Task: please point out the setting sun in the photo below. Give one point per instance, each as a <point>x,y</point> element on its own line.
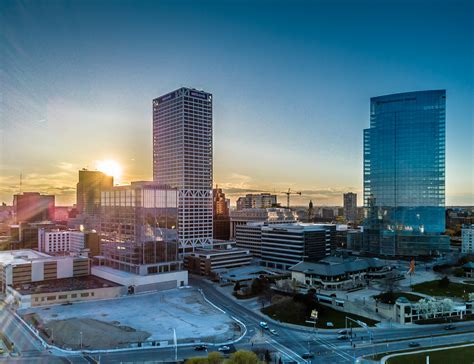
<point>111,168</point>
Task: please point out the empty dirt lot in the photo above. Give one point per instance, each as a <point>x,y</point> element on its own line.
<point>148,317</point>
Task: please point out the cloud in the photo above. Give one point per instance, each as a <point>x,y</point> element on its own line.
<point>61,184</point>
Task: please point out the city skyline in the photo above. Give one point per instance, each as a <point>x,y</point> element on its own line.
<point>65,109</point>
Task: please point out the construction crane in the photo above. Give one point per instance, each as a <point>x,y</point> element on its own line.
<point>288,193</point>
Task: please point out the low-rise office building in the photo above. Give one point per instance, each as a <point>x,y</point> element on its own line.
<point>56,241</point>
<point>338,272</point>
<point>285,245</point>
<point>63,291</point>
<point>249,236</point>
<point>206,261</point>
<point>409,312</point>
<point>467,233</point>
<point>22,267</point>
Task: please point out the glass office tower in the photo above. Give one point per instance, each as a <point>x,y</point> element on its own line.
<point>139,228</point>
<point>404,172</point>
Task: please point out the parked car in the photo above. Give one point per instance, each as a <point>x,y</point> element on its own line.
<point>273,331</point>
<point>342,337</point>
<point>200,347</point>
<point>224,348</point>
<point>449,327</point>
<point>307,355</point>
<point>264,325</point>
<point>413,344</point>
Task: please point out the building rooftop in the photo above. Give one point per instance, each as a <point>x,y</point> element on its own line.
<point>21,256</point>
<point>64,284</point>
<point>24,256</point>
<point>335,266</point>
<point>297,226</point>
<point>205,251</point>
<point>246,273</point>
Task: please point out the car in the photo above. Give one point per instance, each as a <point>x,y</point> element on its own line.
<point>223,348</point>
<point>273,331</point>
<point>413,344</point>
<point>342,337</point>
<point>449,327</point>
<point>342,332</point>
<point>264,325</point>
<point>1,351</point>
<point>200,347</point>
<point>307,355</point>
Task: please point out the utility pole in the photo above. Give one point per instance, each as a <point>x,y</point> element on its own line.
<point>175,345</point>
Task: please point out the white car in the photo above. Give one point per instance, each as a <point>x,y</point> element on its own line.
<point>264,325</point>
<point>223,348</point>
<point>273,331</point>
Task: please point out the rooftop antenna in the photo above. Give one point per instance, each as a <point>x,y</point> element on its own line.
<point>21,180</point>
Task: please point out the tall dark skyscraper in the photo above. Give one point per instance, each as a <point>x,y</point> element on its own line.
<point>350,206</point>
<point>221,218</point>
<point>90,184</point>
<point>404,172</point>
<point>182,158</point>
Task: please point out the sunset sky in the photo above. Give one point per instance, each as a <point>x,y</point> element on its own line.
<point>291,83</point>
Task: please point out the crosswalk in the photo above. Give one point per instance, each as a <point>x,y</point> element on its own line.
<point>335,349</point>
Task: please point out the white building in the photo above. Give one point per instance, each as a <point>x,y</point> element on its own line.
<point>269,216</point>
<point>430,308</point>
<point>207,261</point>
<point>21,267</point>
<point>182,158</point>
<point>60,241</point>
<point>256,201</point>
<point>468,239</point>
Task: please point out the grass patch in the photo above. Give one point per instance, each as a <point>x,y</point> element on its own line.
<point>379,356</point>
<point>6,341</point>
<point>293,312</point>
<point>456,355</point>
<point>391,297</point>
<point>433,288</point>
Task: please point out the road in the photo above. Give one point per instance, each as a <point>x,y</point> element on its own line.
<point>290,342</point>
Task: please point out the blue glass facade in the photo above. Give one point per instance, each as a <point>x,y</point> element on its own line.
<point>404,162</point>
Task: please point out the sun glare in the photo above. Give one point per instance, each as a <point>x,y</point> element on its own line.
<point>111,168</point>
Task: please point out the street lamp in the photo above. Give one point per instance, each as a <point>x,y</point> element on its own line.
<point>175,344</point>
<point>81,339</point>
